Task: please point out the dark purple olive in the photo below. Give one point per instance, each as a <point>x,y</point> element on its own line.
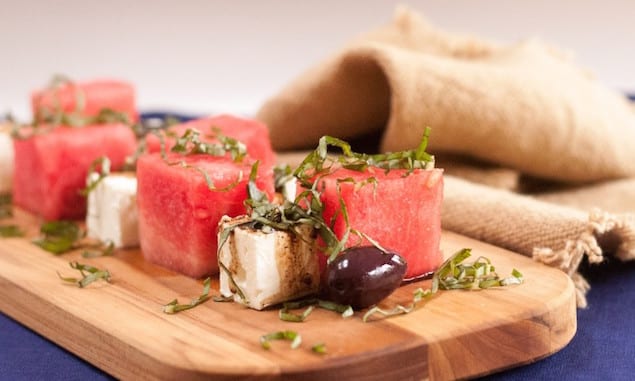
<point>363,276</point>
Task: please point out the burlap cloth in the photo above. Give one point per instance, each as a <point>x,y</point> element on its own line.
<point>538,154</point>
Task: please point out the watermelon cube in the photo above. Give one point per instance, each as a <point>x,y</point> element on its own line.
<point>95,95</point>
<point>51,166</point>
<point>252,133</point>
<point>401,212</point>
<point>179,214</point>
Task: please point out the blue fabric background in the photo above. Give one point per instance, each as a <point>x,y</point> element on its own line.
<point>602,349</point>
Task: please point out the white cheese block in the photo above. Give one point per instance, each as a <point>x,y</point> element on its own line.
<point>6,161</point>
<point>267,268</point>
<point>112,210</point>
<point>290,189</point>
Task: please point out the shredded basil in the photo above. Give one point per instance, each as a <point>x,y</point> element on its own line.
<point>174,306</point>
<point>293,336</point>
<point>53,115</point>
<point>10,231</point>
<point>6,205</point>
<point>344,309</point>
<point>57,116</point>
<point>311,303</point>
<point>77,119</point>
<point>208,180</point>
<point>281,174</point>
<point>233,284</point>
<point>286,315</point>
<point>130,163</point>
<point>223,299</point>
<point>190,143</point>
<point>58,237</point>
<point>319,161</point>
<point>89,274</point>
<point>418,295</point>
<point>319,348</point>
<point>99,250</point>
<point>453,274</point>
<point>100,168</point>
<point>48,113</point>
<point>47,122</point>
<point>107,115</point>
<point>6,211</point>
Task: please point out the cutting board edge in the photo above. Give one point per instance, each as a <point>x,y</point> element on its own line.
<point>560,334</point>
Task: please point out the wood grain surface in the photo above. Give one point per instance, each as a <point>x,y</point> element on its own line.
<point>120,326</point>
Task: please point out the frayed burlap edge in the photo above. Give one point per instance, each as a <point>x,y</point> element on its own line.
<point>556,235</point>
<point>568,259</point>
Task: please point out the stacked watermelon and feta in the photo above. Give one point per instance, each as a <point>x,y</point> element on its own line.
<point>51,166</point>
<point>181,200</point>
<point>51,162</point>
<point>400,210</point>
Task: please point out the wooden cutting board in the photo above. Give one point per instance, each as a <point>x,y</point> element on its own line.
<point>120,327</point>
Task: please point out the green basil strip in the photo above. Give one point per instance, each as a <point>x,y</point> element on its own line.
<point>285,315</point>
<point>417,296</point>
<point>319,348</point>
<point>453,274</point>
<point>101,250</point>
<point>55,245</point>
<point>174,306</point>
<point>93,275</point>
<point>58,237</point>
<point>345,310</point>
<point>6,205</point>
<point>10,231</point>
<point>190,143</point>
<point>101,167</point>
<point>293,336</point>
<point>222,299</point>
<point>233,284</point>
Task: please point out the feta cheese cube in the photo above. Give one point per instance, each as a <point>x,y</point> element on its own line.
<point>290,189</point>
<point>267,268</point>
<point>6,161</point>
<point>112,210</point>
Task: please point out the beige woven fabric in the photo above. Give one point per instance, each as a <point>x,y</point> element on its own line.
<point>525,109</point>
<point>554,234</point>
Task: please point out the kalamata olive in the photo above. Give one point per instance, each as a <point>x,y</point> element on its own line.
<point>362,276</point>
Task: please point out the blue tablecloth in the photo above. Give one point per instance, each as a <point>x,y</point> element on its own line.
<point>603,347</point>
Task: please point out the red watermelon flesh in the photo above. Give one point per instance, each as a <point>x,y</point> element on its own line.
<point>179,214</point>
<point>252,133</point>
<point>51,167</point>
<point>97,95</point>
<point>402,213</point>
